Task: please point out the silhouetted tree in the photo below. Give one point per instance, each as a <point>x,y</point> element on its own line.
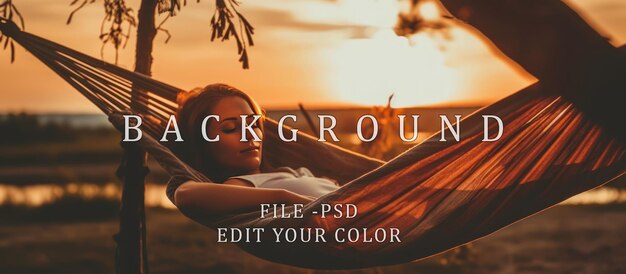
<point>227,22</point>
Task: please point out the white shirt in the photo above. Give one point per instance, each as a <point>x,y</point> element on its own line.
<point>299,180</point>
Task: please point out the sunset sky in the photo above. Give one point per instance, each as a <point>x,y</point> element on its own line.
<point>318,52</point>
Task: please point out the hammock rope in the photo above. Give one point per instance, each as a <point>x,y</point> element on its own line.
<point>438,194</point>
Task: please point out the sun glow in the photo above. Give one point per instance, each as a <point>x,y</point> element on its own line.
<point>373,13</point>
<point>366,71</point>
<point>429,10</point>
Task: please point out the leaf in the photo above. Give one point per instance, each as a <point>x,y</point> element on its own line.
<point>244,60</point>
<point>243,19</point>
<point>239,44</point>
<point>213,35</point>
<point>249,35</point>
<point>6,43</point>
<point>19,15</point>
<point>226,35</point>
<point>223,27</point>
<point>12,52</point>
<point>69,18</point>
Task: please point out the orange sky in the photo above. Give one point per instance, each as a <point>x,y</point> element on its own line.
<point>317,52</point>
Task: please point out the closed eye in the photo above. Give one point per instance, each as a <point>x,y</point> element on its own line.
<point>255,125</point>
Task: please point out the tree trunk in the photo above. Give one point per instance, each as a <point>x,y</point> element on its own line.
<point>132,251</point>
<point>550,40</point>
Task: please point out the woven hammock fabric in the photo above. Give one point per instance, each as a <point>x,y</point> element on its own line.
<point>438,194</point>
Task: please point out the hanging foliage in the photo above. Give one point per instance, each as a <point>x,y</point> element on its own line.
<point>226,22</point>
<point>8,13</point>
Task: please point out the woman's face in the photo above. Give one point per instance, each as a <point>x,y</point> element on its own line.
<point>229,153</point>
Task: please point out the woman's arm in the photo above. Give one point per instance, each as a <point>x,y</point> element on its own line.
<point>230,197</point>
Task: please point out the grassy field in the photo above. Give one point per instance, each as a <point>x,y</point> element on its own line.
<point>564,239</point>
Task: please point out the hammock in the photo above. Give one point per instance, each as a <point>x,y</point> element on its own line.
<point>438,194</point>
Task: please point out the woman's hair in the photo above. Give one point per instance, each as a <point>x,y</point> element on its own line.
<point>193,107</point>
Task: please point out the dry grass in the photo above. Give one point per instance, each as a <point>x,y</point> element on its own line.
<point>565,239</point>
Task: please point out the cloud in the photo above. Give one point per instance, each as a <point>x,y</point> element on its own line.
<point>287,19</point>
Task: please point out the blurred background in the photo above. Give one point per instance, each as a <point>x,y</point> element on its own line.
<point>60,197</point>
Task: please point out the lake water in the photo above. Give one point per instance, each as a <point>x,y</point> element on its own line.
<point>37,195</point>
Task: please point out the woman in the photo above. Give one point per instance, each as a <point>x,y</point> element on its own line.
<point>242,179</point>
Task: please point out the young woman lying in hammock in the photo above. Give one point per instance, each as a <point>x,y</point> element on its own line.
<point>234,165</point>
